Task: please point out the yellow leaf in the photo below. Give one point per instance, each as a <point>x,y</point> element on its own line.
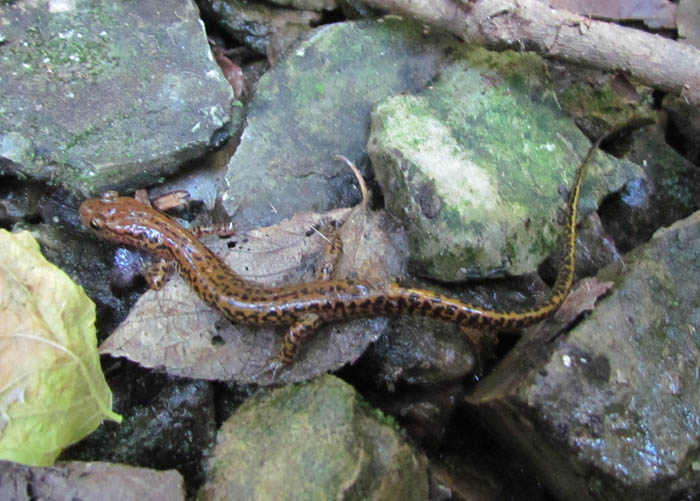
<point>52,390</point>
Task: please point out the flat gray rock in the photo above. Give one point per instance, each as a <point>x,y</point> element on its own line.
<point>316,104</point>
<point>107,95</point>
<point>88,480</point>
<point>610,409</point>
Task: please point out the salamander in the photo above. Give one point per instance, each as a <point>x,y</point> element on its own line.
<point>305,306</point>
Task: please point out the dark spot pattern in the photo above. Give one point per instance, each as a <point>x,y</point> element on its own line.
<point>305,306</point>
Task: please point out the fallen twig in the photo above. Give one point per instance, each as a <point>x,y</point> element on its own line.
<point>562,35</point>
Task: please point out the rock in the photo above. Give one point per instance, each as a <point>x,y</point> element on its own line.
<point>595,249</point>
<point>308,4</point>
<point>472,167</point>
<point>109,95</point>
<point>600,101</point>
<point>316,104</point>
<point>426,352</point>
<point>670,191</point>
<point>19,201</point>
<point>77,480</point>
<point>312,441</point>
<point>609,410</point>
<point>685,123</point>
<point>472,466</point>
<point>168,424</point>
<point>421,351</point>
<point>201,182</point>
<point>425,413</point>
<point>256,25</point>
<point>84,260</point>
<point>356,9</point>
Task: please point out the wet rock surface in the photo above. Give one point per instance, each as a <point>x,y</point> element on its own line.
<point>168,424</point>
<point>471,465</point>
<point>670,191</point>
<point>84,261</point>
<point>107,95</point>
<point>19,201</point>
<point>258,25</point>
<point>417,351</point>
<point>617,396</point>
<point>308,4</point>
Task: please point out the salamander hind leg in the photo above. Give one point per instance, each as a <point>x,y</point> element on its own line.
<point>292,341</point>
<point>295,336</point>
<point>331,253</point>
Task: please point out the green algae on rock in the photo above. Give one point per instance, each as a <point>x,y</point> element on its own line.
<point>312,441</point>
<point>473,166</point>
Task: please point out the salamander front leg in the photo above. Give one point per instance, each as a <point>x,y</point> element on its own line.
<point>157,273</point>
<point>222,230</point>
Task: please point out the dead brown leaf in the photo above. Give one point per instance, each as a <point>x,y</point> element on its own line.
<point>171,200</point>
<point>174,329</point>
<point>582,299</point>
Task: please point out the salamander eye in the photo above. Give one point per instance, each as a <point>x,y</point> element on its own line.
<point>96,224</point>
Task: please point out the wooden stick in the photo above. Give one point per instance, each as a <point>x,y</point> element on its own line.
<point>559,34</point>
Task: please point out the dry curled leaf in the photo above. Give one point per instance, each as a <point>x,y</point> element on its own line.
<point>171,200</point>
<point>52,390</point>
<point>582,299</point>
<point>174,329</point>
<point>232,72</point>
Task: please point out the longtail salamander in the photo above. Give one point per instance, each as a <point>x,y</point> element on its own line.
<point>305,306</point>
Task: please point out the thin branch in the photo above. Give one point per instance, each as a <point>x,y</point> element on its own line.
<point>558,34</point>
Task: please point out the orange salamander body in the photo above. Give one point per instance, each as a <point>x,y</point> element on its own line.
<point>306,306</point>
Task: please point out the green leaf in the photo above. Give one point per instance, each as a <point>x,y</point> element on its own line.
<point>52,390</point>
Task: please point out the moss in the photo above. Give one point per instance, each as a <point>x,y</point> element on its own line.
<point>511,247</point>
<point>603,103</point>
<point>496,148</point>
<point>452,217</point>
<point>385,419</point>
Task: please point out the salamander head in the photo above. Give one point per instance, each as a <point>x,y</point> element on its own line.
<point>124,220</point>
